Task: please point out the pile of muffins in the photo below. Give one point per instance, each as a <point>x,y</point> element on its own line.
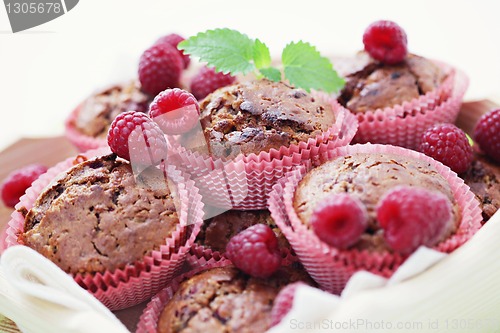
<point>263,153</point>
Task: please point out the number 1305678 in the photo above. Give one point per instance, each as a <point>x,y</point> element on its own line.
<point>34,7</point>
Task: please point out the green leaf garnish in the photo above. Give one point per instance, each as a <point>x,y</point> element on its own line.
<point>305,68</point>
<point>261,55</point>
<point>230,51</point>
<point>271,73</point>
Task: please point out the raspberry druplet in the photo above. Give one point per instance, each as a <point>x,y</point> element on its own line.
<point>16,183</point>
<point>412,216</point>
<point>208,80</point>
<point>174,40</point>
<point>487,134</point>
<point>136,138</point>
<point>175,110</point>
<point>339,220</point>
<point>449,145</point>
<point>160,67</point>
<point>386,42</point>
<point>255,251</point>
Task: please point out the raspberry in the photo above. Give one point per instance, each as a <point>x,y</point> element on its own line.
<point>16,183</point>
<point>208,80</point>
<point>449,145</point>
<point>339,220</point>
<point>160,67</point>
<point>255,251</point>
<point>412,216</point>
<point>135,137</point>
<point>386,42</point>
<point>487,134</point>
<point>174,40</point>
<point>283,302</point>
<point>175,110</point>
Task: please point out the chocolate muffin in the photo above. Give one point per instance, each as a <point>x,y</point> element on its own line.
<point>483,178</point>
<point>377,86</point>
<point>255,116</point>
<point>96,113</point>
<point>367,177</point>
<point>225,300</point>
<point>217,231</point>
<point>97,217</point>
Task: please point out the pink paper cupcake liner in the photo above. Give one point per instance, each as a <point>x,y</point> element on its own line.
<point>245,182</point>
<point>137,281</point>
<point>81,141</point>
<point>331,268</point>
<point>148,322</point>
<point>403,125</point>
<point>3,238</point>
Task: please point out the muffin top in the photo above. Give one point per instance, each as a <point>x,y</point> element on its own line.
<point>96,217</point>
<point>371,85</point>
<point>224,300</point>
<point>98,111</point>
<point>254,116</point>
<point>483,178</point>
<point>368,177</point>
<point>217,231</point>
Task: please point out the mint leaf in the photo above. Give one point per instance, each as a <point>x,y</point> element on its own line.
<point>261,55</point>
<point>229,51</point>
<point>305,68</point>
<point>271,73</point>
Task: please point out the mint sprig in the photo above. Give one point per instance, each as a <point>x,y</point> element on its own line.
<point>230,51</point>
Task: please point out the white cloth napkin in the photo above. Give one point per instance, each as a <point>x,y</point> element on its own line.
<point>40,297</point>
<point>430,292</point>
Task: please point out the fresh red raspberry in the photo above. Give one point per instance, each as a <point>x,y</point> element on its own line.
<point>136,138</point>
<point>449,145</point>
<point>386,42</point>
<point>160,67</point>
<point>255,251</point>
<point>339,220</point>
<point>208,80</point>
<point>16,183</point>
<point>174,40</point>
<point>283,302</point>
<point>175,110</point>
<point>487,134</point>
<point>412,216</point>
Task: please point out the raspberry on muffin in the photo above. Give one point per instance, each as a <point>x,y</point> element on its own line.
<point>367,177</point>
<point>378,86</point>
<point>370,173</point>
<point>396,95</point>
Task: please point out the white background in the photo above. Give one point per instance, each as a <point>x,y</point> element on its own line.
<point>46,71</point>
